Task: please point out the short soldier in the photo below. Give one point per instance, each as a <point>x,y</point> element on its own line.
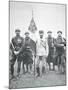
<point>17,44</point>
<point>41,53</point>
<point>51,49</point>
<point>59,44</point>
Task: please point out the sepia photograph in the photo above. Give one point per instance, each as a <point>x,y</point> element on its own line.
<point>37,44</point>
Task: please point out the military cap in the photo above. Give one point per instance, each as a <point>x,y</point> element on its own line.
<point>41,31</point>
<point>17,30</point>
<point>26,33</point>
<point>49,32</point>
<point>59,32</point>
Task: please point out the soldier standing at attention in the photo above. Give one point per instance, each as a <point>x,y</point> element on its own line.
<point>17,44</point>
<point>50,40</point>
<point>59,44</point>
<point>29,50</point>
<point>41,53</point>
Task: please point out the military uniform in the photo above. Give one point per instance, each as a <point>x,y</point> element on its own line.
<point>17,44</point>
<point>41,54</point>
<point>59,44</point>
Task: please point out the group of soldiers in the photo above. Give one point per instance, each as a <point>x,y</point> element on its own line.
<point>37,53</point>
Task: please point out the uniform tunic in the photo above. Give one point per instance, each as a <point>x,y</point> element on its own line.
<point>17,43</point>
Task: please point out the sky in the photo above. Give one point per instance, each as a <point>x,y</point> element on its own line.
<point>46,16</point>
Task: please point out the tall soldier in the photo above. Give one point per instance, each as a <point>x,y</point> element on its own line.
<point>51,49</point>
<point>17,43</point>
<point>59,44</point>
<point>41,53</point>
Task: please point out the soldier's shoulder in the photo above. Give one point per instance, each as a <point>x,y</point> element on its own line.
<point>13,38</point>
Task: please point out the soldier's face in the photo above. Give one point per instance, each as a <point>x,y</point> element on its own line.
<point>59,34</point>
<point>41,35</point>
<point>27,35</point>
<point>17,33</point>
<point>49,34</point>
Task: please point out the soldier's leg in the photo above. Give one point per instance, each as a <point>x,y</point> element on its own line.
<point>12,63</point>
<point>58,59</point>
<point>52,60</point>
<point>27,65</point>
<point>40,67</point>
<point>19,66</point>
<point>62,64</point>
<point>37,66</point>
<point>19,60</point>
<point>30,66</point>
<point>23,67</point>
<point>44,64</point>
<point>53,64</point>
<point>49,62</point>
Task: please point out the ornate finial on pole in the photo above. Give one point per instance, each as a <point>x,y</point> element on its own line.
<point>32,27</point>
<point>32,13</point>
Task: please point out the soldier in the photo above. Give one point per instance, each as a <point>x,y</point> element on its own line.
<point>41,53</point>
<point>17,44</point>
<point>59,44</point>
<point>28,52</point>
<point>50,40</point>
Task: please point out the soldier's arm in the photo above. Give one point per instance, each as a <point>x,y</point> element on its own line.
<point>64,41</point>
<point>57,44</point>
<point>12,43</point>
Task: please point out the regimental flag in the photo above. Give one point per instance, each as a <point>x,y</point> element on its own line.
<point>32,27</point>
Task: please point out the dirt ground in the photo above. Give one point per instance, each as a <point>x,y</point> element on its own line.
<point>50,78</point>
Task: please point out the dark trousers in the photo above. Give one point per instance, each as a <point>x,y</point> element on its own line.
<point>49,60</point>
<point>19,61</point>
<point>12,63</point>
<point>58,59</point>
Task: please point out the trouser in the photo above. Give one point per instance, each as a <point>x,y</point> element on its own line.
<point>50,59</point>
<point>41,62</point>
<point>12,63</point>
<point>61,62</point>
<point>19,61</point>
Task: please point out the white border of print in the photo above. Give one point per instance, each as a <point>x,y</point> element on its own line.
<point>4,37</point>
